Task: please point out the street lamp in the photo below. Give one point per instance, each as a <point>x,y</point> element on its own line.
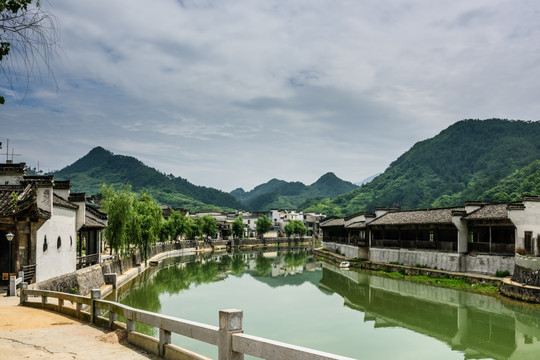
<point>9,237</point>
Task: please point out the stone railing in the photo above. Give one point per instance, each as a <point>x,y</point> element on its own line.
<point>229,338</point>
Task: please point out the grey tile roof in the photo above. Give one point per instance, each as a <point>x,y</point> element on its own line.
<point>429,216</point>
<point>90,223</point>
<point>333,222</point>
<point>489,212</point>
<point>58,201</point>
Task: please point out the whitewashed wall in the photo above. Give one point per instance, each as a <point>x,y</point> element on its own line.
<point>527,220</point>
<point>56,261</point>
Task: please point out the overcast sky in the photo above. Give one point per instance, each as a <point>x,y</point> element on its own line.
<point>232,94</point>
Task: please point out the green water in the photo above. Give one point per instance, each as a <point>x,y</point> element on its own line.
<point>287,296</point>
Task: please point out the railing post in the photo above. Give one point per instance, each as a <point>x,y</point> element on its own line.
<point>112,317</point>
<point>230,322</point>
<point>24,297</point>
<point>164,338</point>
<point>130,323</point>
<point>96,311</point>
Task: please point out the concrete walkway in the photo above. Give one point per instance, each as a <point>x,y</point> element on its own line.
<point>27,333</point>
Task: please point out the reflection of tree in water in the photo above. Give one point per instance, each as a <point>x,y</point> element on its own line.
<point>225,263</point>
<point>145,296</point>
<point>238,265</point>
<point>263,265</point>
<point>295,259</point>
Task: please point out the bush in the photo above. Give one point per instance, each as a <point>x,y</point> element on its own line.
<point>502,273</point>
<point>521,251</point>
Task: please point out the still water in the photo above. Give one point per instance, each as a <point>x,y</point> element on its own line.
<point>288,296</point>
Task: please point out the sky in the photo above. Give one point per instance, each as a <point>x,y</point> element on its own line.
<point>231,94</point>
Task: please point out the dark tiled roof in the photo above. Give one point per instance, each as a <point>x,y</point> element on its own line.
<point>357,225</point>
<point>62,184</point>
<point>333,222</point>
<point>26,202</point>
<point>94,211</point>
<point>90,223</point>
<point>78,197</point>
<point>489,212</point>
<point>58,201</point>
<point>430,216</point>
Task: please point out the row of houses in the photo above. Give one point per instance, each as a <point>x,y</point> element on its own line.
<point>478,237</point>
<point>279,219</point>
<point>44,227</point>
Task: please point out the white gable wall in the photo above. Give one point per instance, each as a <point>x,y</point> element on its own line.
<point>527,219</point>
<point>57,261</point>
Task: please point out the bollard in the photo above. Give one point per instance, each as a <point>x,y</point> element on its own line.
<point>111,279</point>
<point>23,297</point>
<point>230,322</point>
<point>96,295</point>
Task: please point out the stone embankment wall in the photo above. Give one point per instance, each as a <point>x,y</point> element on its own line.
<point>86,279</point>
<point>409,270</point>
<point>480,264</point>
<point>525,283</point>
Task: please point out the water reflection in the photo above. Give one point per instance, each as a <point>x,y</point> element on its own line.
<point>473,326</point>
<point>478,326</point>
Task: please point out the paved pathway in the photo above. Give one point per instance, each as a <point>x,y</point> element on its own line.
<point>28,333</point>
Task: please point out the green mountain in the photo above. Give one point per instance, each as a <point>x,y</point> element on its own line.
<point>461,163</point>
<point>279,194</point>
<point>520,182</point>
<point>101,166</point>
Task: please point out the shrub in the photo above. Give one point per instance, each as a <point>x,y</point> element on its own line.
<point>502,273</point>
<point>521,251</point>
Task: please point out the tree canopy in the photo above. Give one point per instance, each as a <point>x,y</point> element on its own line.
<point>263,225</point>
<point>238,227</point>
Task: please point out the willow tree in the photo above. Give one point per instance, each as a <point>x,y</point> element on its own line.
<point>28,35</point>
<point>118,205</point>
<point>146,223</point>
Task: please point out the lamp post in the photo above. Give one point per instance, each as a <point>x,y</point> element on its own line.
<point>9,237</point>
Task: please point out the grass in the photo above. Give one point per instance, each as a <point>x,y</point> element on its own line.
<point>457,284</point>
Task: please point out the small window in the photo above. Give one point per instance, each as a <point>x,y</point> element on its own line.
<point>58,243</point>
<point>70,240</point>
<point>45,245</point>
<point>431,236</point>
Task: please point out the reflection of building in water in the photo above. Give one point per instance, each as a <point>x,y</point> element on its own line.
<point>479,326</point>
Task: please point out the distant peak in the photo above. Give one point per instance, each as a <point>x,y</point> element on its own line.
<point>98,150</point>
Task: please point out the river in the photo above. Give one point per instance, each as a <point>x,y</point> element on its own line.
<point>290,297</point>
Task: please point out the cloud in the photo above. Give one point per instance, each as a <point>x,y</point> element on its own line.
<point>233,93</point>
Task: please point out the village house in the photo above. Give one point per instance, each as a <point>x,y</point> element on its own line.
<point>478,237</point>
<point>43,224</point>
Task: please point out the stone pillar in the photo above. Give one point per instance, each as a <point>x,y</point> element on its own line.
<point>24,297</point>
<point>230,322</point>
<point>164,339</point>
<point>96,311</point>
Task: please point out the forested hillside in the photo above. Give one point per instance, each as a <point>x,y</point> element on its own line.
<point>461,163</point>
<point>101,166</point>
<point>279,194</point>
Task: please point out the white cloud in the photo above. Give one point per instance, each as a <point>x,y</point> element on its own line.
<point>233,93</point>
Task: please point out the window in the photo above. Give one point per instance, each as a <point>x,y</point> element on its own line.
<point>58,243</point>
<point>45,245</point>
<point>431,236</point>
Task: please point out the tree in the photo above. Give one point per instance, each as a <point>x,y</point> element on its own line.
<point>193,228</point>
<point>209,226</point>
<point>263,225</point>
<point>30,33</point>
<point>238,227</point>
<point>295,227</point>
<point>178,224</point>
<point>147,223</point>
<point>119,208</point>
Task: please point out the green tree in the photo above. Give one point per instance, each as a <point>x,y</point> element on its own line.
<point>28,32</point>
<point>295,227</point>
<point>263,225</point>
<point>209,226</point>
<point>238,227</point>
<point>193,228</point>
<point>178,224</point>
<point>147,223</point>
<point>119,208</point>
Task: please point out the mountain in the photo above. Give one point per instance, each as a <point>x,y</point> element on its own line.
<point>280,194</point>
<point>460,163</point>
<point>101,166</point>
<point>525,181</point>
<point>366,180</point>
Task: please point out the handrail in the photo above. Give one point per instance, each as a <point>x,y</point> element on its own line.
<point>228,337</point>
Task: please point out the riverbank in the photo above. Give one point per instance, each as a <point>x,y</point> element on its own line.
<point>482,284</point>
